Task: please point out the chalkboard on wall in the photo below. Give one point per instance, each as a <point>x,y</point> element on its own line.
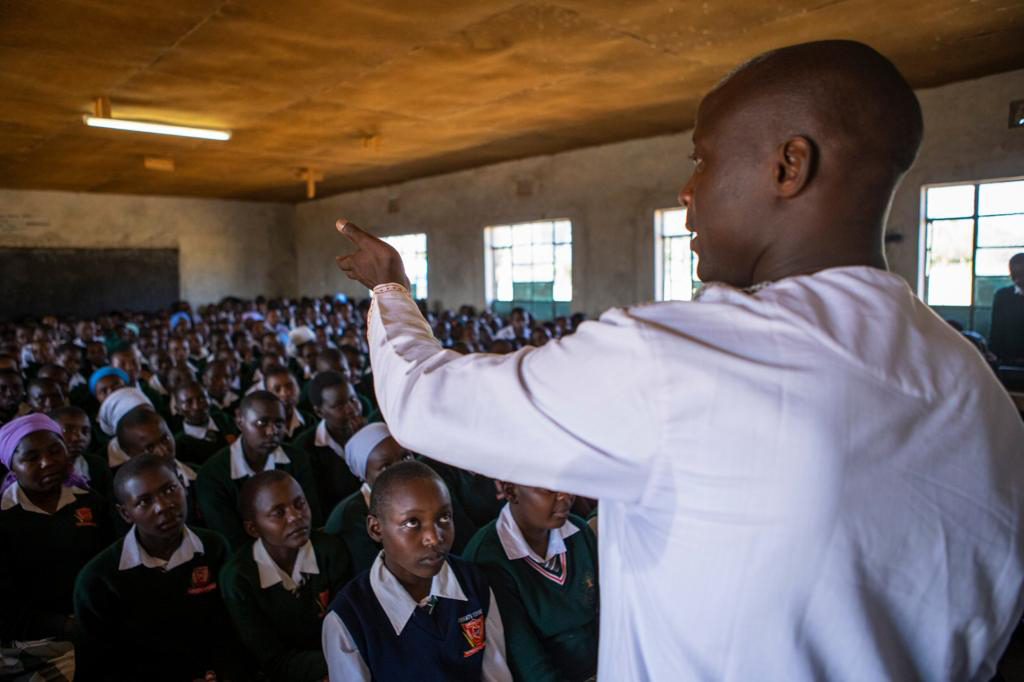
<point>86,282</point>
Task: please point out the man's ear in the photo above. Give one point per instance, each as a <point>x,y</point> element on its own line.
<point>795,160</point>
<point>250,529</point>
<point>124,514</point>
<point>373,528</point>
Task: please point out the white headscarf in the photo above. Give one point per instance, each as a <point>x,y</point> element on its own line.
<point>118,404</point>
<point>299,337</point>
<point>361,444</point>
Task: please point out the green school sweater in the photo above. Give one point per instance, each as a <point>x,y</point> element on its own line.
<point>334,480</point>
<point>217,493</point>
<point>41,555</point>
<point>149,624</point>
<point>101,479</point>
<point>348,523</point>
<point>281,629</point>
<point>550,629</point>
<point>195,451</point>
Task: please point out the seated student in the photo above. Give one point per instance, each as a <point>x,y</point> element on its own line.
<point>418,613</point>
<point>217,380</point>
<point>141,431</point>
<point>44,395</point>
<point>95,355</point>
<point>69,356</point>
<point>115,406</point>
<point>203,431</point>
<point>76,430</point>
<point>367,453</point>
<point>149,605</point>
<point>278,588</point>
<point>123,357</point>
<point>58,374</point>
<point>541,562</point>
<point>51,524</point>
<point>160,363</point>
<point>340,414</point>
<point>12,392</point>
<point>259,448</point>
<point>280,381</point>
<point>105,381</point>
<point>333,360</point>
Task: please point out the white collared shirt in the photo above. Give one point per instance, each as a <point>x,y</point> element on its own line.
<point>229,398</point>
<point>272,574</point>
<point>200,431</point>
<point>133,554</point>
<point>516,546</point>
<point>154,383</point>
<point>323,439</point>
<point>296,422</point>
<point>820,480</point>
<point>77,380</point>
<point>1017,290</point>
<point>345,663</point>
<point>13,496</point>
<point>186,472</point>
<point>240,466</point>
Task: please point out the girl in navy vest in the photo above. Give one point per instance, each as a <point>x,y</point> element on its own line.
<point>418,613</point>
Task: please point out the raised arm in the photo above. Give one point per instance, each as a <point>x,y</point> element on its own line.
<point>575,415</point>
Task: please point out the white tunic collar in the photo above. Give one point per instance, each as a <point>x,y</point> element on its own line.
<point>200,432</point>
<point>81,467</point>
<point>186,472</point>
<point>323,439</point>
<point>229,398</point>
<point>516,546</point>
<point>272,574</point>
<point>240,466</point>
<point>395,600</point>
<point>13,496</point>
<point>115,455</point>
<point>296,422</point>
<point>133,554</point>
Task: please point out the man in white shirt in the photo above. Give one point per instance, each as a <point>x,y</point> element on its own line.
<point>804,474</point>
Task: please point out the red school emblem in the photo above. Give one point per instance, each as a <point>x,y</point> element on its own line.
<point>473,630</point>
<point>83,517</point>
<point>201,581</point>
<point>323,601</point>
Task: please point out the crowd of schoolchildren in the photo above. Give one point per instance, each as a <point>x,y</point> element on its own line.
<point>212,494</point>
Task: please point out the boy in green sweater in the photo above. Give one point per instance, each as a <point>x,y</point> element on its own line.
<point>77,434</point>
<point>149,605</point>
<point>541,562</point>
<point>278,588</point>
<point>204,432</point>
<point>261,420</point>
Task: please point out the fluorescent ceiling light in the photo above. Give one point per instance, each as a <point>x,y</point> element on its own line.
<point>158,128</point>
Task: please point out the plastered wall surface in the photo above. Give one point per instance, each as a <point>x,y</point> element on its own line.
<point>611,192</point>
<point>225,247</point>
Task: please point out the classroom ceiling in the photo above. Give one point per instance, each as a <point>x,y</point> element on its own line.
<point>373,92</point>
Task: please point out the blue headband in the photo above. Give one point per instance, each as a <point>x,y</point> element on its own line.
<point>179,316</point>
<point>106,372</point>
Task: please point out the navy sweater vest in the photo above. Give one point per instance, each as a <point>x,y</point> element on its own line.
<point>439,646</point>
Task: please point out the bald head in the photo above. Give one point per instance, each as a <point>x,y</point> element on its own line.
<point>797,154</point>
<point>846,95</point>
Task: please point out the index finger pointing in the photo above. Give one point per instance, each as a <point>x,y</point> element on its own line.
<point>352,231</point>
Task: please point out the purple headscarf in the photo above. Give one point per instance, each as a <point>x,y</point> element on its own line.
<point>15,430</point>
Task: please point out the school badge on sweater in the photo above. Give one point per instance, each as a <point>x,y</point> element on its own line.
<point>473,630</point>
<point>201,581</point>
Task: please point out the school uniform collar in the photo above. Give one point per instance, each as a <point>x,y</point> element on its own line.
<point>272,574</point>
<point>516,546</point>
<point>77,380</point>
<point>240,466</point>
<point>186,473</point>
<point>396,602</point>
<point>133,554</point>
<point>324,439</point>
<point>81,467</point>
<point>14,497</point>
<point>200,432</point>
<point>296,422</point>
<point>229,398</point>
<point>115,455</point>
<point>1017,290</point>
<point>154,383</point>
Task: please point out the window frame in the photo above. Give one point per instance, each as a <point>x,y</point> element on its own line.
<point>659,255</point>
<point>492,286</point>
<point>426,261</point>
<point>924,233</point>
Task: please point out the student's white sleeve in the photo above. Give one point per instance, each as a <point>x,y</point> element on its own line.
<point>575,415</point>
<point>344,663</point>
<point>495,665</point>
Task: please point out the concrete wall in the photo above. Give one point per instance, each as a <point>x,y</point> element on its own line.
<point>225,247</point>
<point>611,192</point>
